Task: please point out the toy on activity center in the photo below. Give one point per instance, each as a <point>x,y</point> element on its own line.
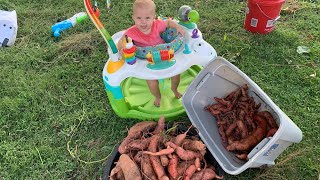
<point>71,22</point>
<point>124,77</point>
<point>129,52</point>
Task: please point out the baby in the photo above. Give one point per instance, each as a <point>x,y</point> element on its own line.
<point>146,32</point>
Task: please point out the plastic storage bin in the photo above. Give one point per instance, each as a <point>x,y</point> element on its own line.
<point>218,79</point>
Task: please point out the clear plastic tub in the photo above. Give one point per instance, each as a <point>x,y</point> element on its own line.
<point>218,79</point>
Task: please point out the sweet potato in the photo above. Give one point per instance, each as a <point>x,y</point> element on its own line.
<point>271,132</point>
<point>189,172</point>
<point>231,139</point>
<point>161,152</point>
<point>195,138</point>
<point>197,164</point>
<point>233,95</point>
<point>172,166</point>
<point>268,116</point>
<point>160,126</point>
<point>257,106</point>
<point>154,143</point>
<point>253,139</point>
<point>114,172</point>
<point>138,157</point>
<point>120,176</point>
<point>139,144</point>
<point>171,144</point>
<point>243,156</point>
<point>214,107</point>
<point>214,112</point>
<point>226,109</point>
<point>193,145</point>
<point>198,175</point>
<point>250,123</point>
<point>132,154</point>
<point>157,167</point>
<point>164,178</point>
<point>129,168</point>
<point>243,144</point>
<point>244,92</point>
<point>221,121</point>
<point>222,133</point>
<point>186,154</point>
<point>123,146</point>
<point>206,174</point>
<point>241,115</point>
<point>147,169</point>
<point>222,101</point>
<point>245,106</point>
<point>164,160</point>
<point>179,138</point>
<point>134,133</point>
<point>230,129</point>
<point>243,99</point>
<point>137,129</point>
<point>203,152</point>
<point>237,133</point>
<point>243,129</point>
<point>182,167</point>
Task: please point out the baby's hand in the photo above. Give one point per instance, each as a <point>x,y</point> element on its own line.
<point>120,52</point>
<point>180,30</point>
<point>174,24</point>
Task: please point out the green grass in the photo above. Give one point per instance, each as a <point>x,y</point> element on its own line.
<point>52,91</point>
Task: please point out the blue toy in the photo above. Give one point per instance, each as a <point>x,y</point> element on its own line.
<point>66,24</point>
<point>71,22</point>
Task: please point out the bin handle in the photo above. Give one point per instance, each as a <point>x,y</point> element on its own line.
<point>266,14</point>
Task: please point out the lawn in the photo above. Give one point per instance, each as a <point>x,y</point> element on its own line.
<point>55,118</point>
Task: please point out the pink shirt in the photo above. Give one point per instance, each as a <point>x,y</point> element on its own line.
<point>151,39</point>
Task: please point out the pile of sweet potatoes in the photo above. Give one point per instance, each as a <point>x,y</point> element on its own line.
<point>151,152</point>
<point>241,125</point>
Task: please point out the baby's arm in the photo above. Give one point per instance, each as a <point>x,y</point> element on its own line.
<point>173,24</point>
<point>120,45</point>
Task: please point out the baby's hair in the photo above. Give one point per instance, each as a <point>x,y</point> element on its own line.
<point>143,4</point>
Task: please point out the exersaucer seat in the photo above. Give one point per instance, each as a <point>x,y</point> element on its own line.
<point>127,88</point>
<point>125,77</point>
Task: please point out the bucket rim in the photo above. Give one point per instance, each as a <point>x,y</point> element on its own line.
<point>267,2</point>
<point>275,18</point>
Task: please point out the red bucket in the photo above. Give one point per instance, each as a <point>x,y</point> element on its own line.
<point>261,15</point>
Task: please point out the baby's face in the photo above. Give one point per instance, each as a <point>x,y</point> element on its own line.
<point>143,19</point>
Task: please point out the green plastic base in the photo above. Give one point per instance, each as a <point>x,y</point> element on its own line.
<point>138,100</point>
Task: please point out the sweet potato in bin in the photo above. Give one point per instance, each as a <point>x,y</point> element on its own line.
<point>238,122</point>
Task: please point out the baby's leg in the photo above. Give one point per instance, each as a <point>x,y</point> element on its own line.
<point>154,89</point>
<point>175,80</point>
